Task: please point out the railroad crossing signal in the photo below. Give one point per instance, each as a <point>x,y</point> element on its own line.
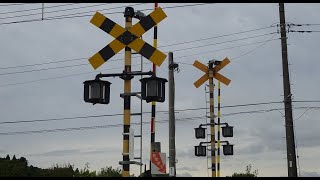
<point>128,38</point>
<point>216,75</point>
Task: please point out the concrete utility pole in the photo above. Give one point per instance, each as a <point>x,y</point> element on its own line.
<point>291,151</point>
<point>172,120</point>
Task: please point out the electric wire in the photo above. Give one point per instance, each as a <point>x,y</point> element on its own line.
<point>83,64</point>
<point>61,10</point>
<point>26,10</point>
<point>25,82</point>
<point>119,125</point>
<point>77,59</point>
<point>66,17</point>
<point>178,110</point>
<point>16,4</point>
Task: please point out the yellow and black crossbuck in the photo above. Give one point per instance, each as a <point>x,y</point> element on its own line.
<point>130,38</point>
<point>216,75</point>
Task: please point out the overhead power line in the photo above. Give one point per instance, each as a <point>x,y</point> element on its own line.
<point>66,16</point>
<point>292,24</point>
<point>65,76</point>
<point>214,37</point>
<point>303,31</point>
<point>226,48</point>
<point>62,10</point>
<point>262,44</point>
<point>193,47</point>
<point>16,4</point>
<point>120,125</point>
<point>83,64</point>
<point>58,77</point>
<point>111,115</point>
<point>77,59</point>
<point>48,7</point>
<point>90,127</point>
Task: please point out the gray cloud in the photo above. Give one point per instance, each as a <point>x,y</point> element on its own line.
<point>256,77</point>
<point>187,168</point>
<point>184,175</point>
<point>310,174</point>
<point>188,153</point>
<point>57,153</point>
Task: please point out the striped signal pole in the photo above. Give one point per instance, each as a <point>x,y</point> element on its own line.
<point>211,88</point>
<point>219,115</point>
<point>129,12</point>
<point>153,104</point>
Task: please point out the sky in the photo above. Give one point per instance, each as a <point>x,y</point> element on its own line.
<point>45,62</point>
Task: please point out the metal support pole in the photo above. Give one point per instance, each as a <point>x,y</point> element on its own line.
<point>211,88</point>
<point>219,114</point>
<point>172,148</point>
<point>42,11</point>
<point>141,117</point>
<point>291,152</point>
<point>129,12</point>
<point>153,104</point>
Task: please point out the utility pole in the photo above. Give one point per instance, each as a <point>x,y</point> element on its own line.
<point>291,152</point>
<point>213,151</point>
<point>172,120</point>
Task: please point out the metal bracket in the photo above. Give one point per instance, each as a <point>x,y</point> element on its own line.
<point>173,66</point>
<point>126,76</point>
<point>130,162</point>
<point>130,94</point>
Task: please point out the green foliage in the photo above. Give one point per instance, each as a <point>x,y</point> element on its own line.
<point>109,172</point>
<point>12,167</point>
<point>248,173</point>
<point>85,172</point>
<point>19,167</point>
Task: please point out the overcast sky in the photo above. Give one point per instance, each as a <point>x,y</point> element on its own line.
<point>255,72</point>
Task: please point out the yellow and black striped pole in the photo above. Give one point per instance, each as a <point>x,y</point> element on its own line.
<point>127,98</point>
<point>211,88</point>
<point>219,115</point>
<point>153,104</point>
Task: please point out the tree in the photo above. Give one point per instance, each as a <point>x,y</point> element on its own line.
<point>109,172</point>
<point>8,157</point>
<point>14,157</point>
<point>248,173</point>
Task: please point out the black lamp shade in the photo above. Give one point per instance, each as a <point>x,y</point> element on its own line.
<point>153,89</point>
<point>200,133</point>
<point>227,131</point>
<point>97,91</point>
<point>200,150</point>
<point>228,149</point>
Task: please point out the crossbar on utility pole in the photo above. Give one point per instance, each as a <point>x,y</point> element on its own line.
<point>291,152</point>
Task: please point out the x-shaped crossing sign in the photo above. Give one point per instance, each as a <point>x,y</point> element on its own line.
<point>216,75</point>
<point>130,38</point>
